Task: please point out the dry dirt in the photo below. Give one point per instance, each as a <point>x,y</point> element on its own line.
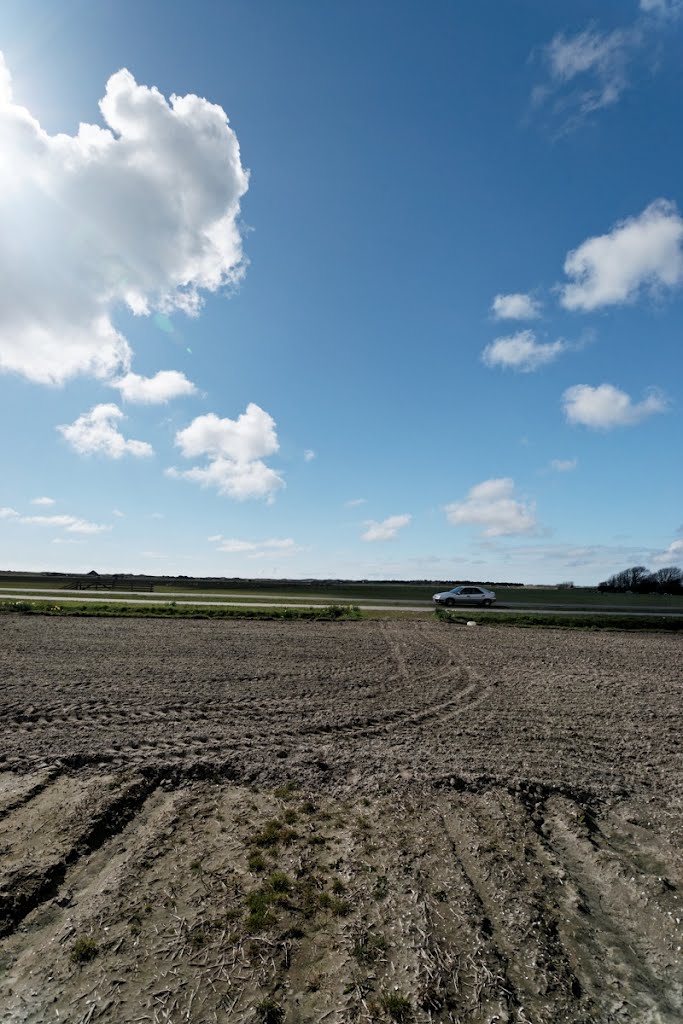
<point>338,822</point>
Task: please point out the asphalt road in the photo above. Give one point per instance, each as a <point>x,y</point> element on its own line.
<point>168,599</point>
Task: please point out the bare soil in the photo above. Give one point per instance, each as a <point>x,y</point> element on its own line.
<point>338,822</point>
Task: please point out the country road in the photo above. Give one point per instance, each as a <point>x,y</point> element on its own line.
<point>104,596</point>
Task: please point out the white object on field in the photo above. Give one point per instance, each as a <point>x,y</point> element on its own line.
<point>471,622</point>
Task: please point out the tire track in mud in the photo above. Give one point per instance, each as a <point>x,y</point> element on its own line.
<point>416,689</point>
<point>35,867</point>
<point>617,918</point>
<point>92,888</point>
<point>19,790</point>
<point>520,920</point>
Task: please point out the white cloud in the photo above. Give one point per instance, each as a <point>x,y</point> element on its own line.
<point>235,450</point>
<point>516,306</point>
<point>672,555</point>
<point>256,549</point>
<point>563,465</point>
<point>142,213</point>
<point>72,524</point>
<point>642,252</point>
<point>5,512</point>
<point>387,529</point>
<point>606,407</point>
<point>598,60</point>
<point>117,512</point>
<point>42,501</point>
<point>492,504</point>
<point>355,502</point>
<point>521,352</point>
<point>251,436</point>
<point>309,455</point>
<point>95,433</point>
<point>663,8</point>
<point>162,387</point>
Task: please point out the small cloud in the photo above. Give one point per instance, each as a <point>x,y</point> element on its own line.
<point>355,502</point>
<point>119,515</point>
<point>492,504</point>
<point>42,501</point>
<point>256,549</point>
<point>72,524</point>
<point>162,387</point>
<point>521,352</point>
<point>153,554</point>
<point>67,540</point>
<point>563,465</point>
<point>605,407</point>
<point>157,515</point>
<point>95,433</point>
<point>517,306</point>
<point>8,513</point>
<point>309,455</point>
<point>387,529</point>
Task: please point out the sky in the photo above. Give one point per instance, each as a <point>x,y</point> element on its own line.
<point>344,290</point>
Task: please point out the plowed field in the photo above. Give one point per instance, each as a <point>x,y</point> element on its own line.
<point>338,822</point>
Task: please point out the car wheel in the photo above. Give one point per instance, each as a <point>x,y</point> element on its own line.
<point>486,603</point>
<point>449,602</point>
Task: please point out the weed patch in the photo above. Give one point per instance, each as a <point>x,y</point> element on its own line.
<point>84,949</point>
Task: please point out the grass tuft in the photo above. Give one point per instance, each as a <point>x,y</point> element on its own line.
<point>397,1006</point>
<point>84,949</point>
<point>269,1012</point>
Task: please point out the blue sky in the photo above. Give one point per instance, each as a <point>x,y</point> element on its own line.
<point>417,307</point>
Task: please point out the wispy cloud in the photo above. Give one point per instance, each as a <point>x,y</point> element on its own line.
<point>285,546</point>
<point>72,524</point>
<point>564,465</point>
<point>387,529</point>
<point>586,72</point>
<point>42,501</point>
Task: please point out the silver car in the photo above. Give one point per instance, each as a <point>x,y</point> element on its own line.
<point>466,595</point>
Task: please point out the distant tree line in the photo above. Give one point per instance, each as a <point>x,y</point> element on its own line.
<point>639,580</point>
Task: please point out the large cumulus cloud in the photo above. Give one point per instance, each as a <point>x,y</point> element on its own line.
<point>142,213</point>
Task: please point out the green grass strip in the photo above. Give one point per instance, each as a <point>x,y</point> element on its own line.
<point>172,611</point>
<point>545,621</point>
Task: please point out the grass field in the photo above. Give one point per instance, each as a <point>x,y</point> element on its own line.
<point>324,592</point>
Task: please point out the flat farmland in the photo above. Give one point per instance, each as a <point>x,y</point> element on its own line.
<point>338,822</point>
